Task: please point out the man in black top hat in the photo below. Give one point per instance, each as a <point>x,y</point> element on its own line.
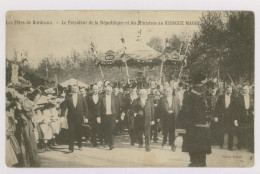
<point>196,141</point>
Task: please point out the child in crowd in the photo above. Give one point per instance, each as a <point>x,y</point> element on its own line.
<point>46,129</point>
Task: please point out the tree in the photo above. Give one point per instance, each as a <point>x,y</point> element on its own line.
<point>240,28</point>
<point>225,42</point>
<point>208,45</point>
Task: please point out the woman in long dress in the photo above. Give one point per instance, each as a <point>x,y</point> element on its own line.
<point>12,146</point>
<point>25,133</point>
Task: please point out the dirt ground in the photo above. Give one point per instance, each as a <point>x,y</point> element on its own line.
<point>125,155</point>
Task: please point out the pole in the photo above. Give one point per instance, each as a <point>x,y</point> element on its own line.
<point>126,67</point>
<point>230,78</point>
<point>161,73</point>
<point>47,71</point>
<point>218,77</point>
<point>186,48</point>
<point>180,48</point>
<point>101,71</point>
<point>157,73</point>
<point>180,71</point>
<point>121,70</point>
<point>56,81</point>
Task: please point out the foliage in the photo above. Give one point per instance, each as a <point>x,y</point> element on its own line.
<point>156,43</point>
<point>76,65</point>
<point>225,42</point>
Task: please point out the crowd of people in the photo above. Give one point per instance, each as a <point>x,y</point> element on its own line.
<point>38,119</point>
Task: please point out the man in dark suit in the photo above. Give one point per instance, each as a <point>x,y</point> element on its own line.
<point>196,141</point>
<point>109,112</point>
<point>128,112</point>
<point>83,92</point>
<point>77,115</point>
<point>244,119</point>
<point>119,95</point>
<point>211,100</point>
<point>94,101</point>
<point>144,117</point>
<point>86,128</point>
<point>224,117</point>
<point>155,96</point>
<point>169,107</point>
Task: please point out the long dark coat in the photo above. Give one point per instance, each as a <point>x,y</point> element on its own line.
<point>225,115</point>
<point>197,138</point>
<point>145,114</point>
<point>119,97</point>
<point>26,137</point>
<point>76,115</point>
<point>163,109</point>
<point>128,110</point>
<point>114,108</point>
<point>245,117</point>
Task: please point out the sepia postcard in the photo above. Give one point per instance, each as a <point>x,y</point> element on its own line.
<point>129,88</point>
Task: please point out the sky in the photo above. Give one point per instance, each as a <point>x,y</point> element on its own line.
<point>58,39</point>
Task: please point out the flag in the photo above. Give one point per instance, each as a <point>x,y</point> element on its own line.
<point>93,49</point>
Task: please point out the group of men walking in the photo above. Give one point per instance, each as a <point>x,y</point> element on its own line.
<point>111,110</point>
<point>204,115</point>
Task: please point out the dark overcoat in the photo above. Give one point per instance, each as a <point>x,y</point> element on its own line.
<point>128,110</point>
<point>197,137</point>
<point>76,115</point>
<point>225,115</point>
<point>114,108</point>
<point>145,114</point>
<point>245,117</point>
<point>163,110</point>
